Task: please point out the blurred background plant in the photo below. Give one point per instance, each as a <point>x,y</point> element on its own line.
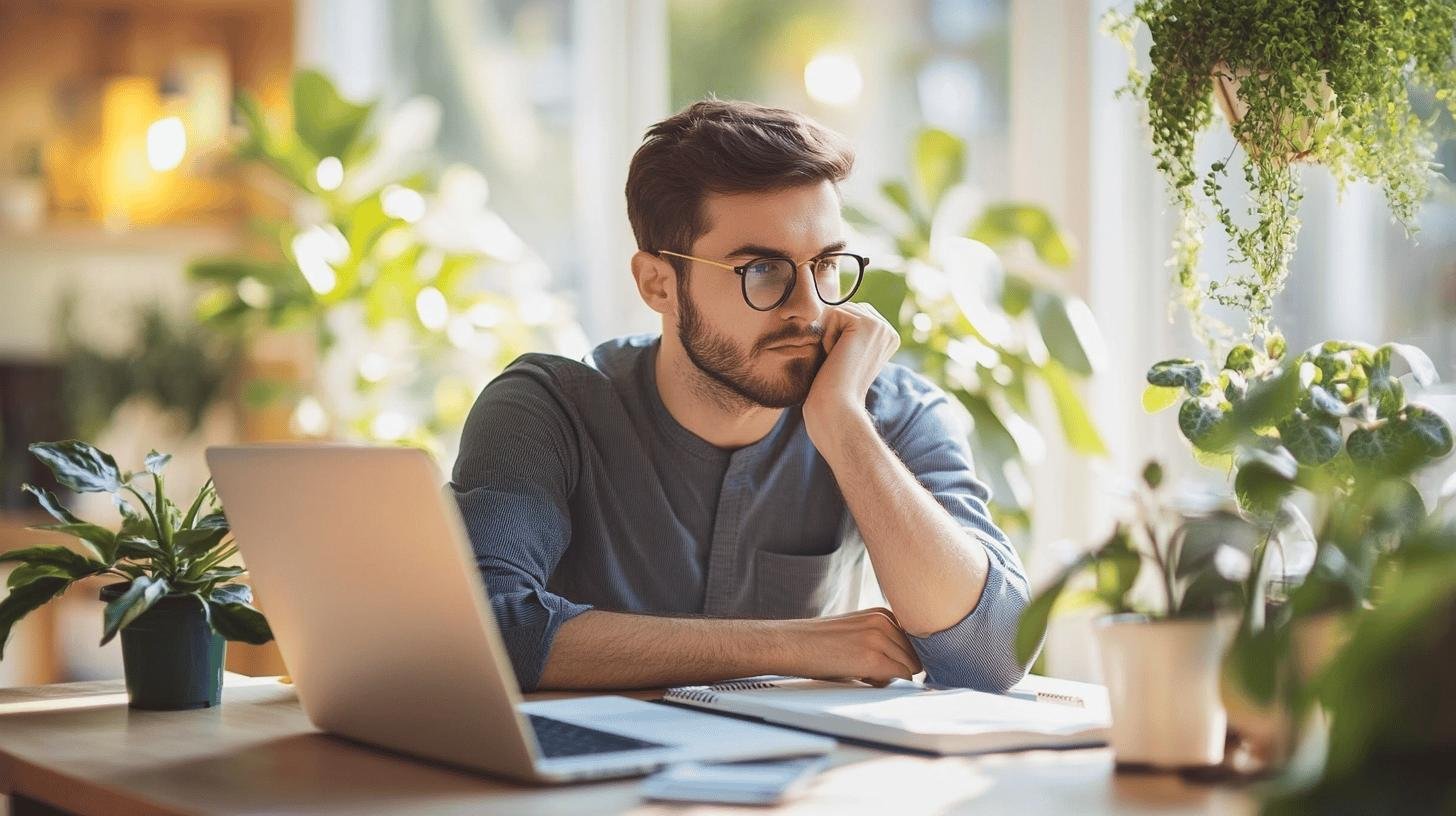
<point>415,292</point>
<point>973,290</point>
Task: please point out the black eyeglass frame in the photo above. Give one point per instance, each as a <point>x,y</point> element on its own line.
<point>742,271</point>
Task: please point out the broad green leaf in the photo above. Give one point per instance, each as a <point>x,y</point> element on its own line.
<point>197,541</point>
<point>996,452</point>
<point>886,291</point>
<point>24,599</point>
<point>102,540</point>
<point>1326,403</point>
<point>212,521</point>
<point>1153,475</point>
<point>1240,358</point>
<point>1269,401</point>
<point>69,560</point>
<point>1312,441</point>
<point>1159,398</point>
<point>240,622</point>
<point>26,573</point>
<point>1200,421</point>
<point>50,503</point>
<point>1275,346</point>
<point>326,122</point>
<point>940,163</point>
<point>137,599</point>
<point>1070,332</point>
<point>138,547</point>
<point>79,466</point>
<point>1031,628</point>
<point>1263,480</point>
<point>1077,424</point>
<point>1202,536</point>
<point>899,195</point>
<point>1422,369</point>
<point>1116,567</point>
<point>1016,294</point>
<point>1001,224</point>
<point>859,219</point>
<point>1178,373</point>
<point>1429,428</point>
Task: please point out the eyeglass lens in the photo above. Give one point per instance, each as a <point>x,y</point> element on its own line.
<point>766,281</point>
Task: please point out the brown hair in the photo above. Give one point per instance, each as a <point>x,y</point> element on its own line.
<point>722,146</point>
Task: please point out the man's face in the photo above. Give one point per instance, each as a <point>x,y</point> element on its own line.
<point>767,358</point>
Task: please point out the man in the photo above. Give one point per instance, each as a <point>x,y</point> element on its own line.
<point>688,507</point>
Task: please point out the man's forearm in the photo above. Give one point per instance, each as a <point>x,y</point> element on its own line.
<point>600,649</point>
<point>930,569</point>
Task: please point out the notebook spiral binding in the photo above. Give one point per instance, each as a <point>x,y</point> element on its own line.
<point>744,685</point>
<point>1052,696</point>
<point>693,695</point>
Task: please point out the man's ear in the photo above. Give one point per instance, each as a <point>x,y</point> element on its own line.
<point>656,282</point>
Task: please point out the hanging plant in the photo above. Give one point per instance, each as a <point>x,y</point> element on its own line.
<point>1338,84</point>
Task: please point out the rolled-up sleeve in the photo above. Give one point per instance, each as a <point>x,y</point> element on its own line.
<point>929,435</point>
<point>512,480</point>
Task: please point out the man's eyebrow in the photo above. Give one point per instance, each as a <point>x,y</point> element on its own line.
<point>761,251</point>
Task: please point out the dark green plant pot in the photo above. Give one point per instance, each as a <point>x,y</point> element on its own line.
<point>172,658</point>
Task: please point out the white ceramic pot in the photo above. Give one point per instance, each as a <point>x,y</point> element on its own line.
<point>1162,680</point>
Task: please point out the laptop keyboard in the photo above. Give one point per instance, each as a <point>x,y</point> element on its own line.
<point>562,739</point>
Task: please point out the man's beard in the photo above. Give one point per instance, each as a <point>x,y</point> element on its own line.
<point>727,365</point>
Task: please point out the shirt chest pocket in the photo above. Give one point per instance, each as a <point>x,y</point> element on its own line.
<point>808,585</point>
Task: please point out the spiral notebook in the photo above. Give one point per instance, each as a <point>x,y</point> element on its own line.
<point>1040,712</point>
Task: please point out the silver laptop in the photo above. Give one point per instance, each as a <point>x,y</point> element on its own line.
<point>371,587</point>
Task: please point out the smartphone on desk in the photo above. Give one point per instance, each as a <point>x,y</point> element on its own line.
<point>766,782</point>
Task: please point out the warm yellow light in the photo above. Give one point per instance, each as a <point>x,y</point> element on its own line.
<point>166,144</point>
<point>833,79</point>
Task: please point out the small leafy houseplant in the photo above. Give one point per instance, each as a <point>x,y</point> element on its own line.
<point>1354,86</point>
<point>1332,422</point>
<point>1159,660</point>
<point>176,602</point>
<point>974,296</point>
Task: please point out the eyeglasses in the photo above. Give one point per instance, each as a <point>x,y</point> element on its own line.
<point>768,282</point>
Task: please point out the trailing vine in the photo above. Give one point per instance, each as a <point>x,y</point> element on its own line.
<point>1325,81</point>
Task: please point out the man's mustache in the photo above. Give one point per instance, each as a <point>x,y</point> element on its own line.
<point>813,331</point>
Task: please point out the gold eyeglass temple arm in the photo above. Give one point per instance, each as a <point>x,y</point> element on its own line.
<point>699,260</point>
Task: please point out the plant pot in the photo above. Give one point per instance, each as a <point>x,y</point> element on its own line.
<point>1301,125</point>
<point>172,658</point>
<point>1162,680</point>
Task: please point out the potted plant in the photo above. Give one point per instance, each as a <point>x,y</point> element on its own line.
<point>1160,660</point>
<point>176,602</point>
<point>974,293</point>
<point>1351,86</point>
<point>1332,422</point>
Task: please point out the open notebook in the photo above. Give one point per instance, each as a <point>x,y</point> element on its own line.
<point>1040,712</point>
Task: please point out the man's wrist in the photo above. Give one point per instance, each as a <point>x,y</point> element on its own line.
<point>839,431</point>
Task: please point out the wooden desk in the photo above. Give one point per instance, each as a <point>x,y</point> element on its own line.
<point>78,747</point>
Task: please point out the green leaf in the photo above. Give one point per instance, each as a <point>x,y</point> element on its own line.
<point>69,560</point>
<point>1312,441</point>
<point>240,622</point>
<point>1269,401</point>
<point>1423,370</point>
<point>1031,628</point>
<point>1200,421</point>
<point>24,599</point>
<point>325,121</point>
<point>156,462</point>
<point>1002,224</point>
<point>1240,358</point>
<point>1077,424</point>
<point>1428,428</point>
<point>143,592</point>
<point>212,521</point>
<point>1177,373</point>
<point>886,291</point>
<point>50,503</point>
<point>1153,475</point>
<point>79,466</point>
<point>197,541</point>
<point>1264,479</point>
<point>26,573</point>
<point>940,163</point>
<point>138,547</point>
<point>1159,398</point>
<point>1070,332</point>
<point>1326,403</point>
<point>102,540</point>
<point>1116,566</point>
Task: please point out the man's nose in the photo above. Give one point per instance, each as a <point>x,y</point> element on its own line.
<point>804,301</point>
